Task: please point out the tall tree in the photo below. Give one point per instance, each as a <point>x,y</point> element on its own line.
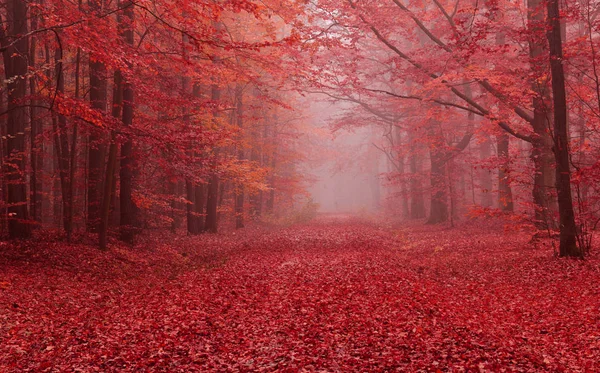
<point>127,206</point>
<point>97,138</point>
<point>568,228</point>
<point>15,48</point>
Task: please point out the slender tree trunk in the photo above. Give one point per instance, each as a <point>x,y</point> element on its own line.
<point>97,138</point>
<point>270,204</point>
<point>37,140</point>
<point>199,203</point>
<point>61,144</point>
<point>15,68</point>
<point>175,204</point>
<point>417,201</point>
<point>73,159</point>
<point>568,228</point>
<point>212,199</point>
<point>259,156</point>
<point>127,207</point>
<point>439,192</point>
<point>400,159</point>
<point>111,164</point>
<point>195,191</point>
<point>256,198</point>
<point>239,188</point>
<point>192,218</point>
<point>485,175</point>
<point>541,153</point>
<point>3,186</point>
<point>505,197</point>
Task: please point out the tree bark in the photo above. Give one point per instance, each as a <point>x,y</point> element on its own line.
<point>541,153</point>
<point>192,218</point>
<point>61,144</point>
<point>239,188</point>
<point>417,201</point>
<point>485,175</point>
<point>212,198</point>
<point>505,197</point>
<point>15,68</point>
<point>439,194</point>
<point>568,228</point>
<point>111,164</point>
<point>126,171</point>
<point>97,138</point>
<point>36,138</point>
<point>400,160</point>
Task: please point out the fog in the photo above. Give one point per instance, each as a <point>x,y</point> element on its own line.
<point>346,169</point>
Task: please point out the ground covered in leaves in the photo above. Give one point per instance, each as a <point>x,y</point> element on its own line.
<point>334,296</point>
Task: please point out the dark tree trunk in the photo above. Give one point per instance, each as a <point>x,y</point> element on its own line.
<point>199,203</point>
<point>126,171</point>
<point>37,140</point>
<point>541,153</point>
<point>417,201</point>
<point>270,204</point>
<point>3,193</point>
<point>439,193</point>
<point>212,198</point>
<point>543,178</point>
<point>256,201</point>
<point>111,165</point>
<point>505,198</point>
<point>15,68</point>
<point>61,144</point>
<point>568,229</point>
<point>259,156</point>
<point>239,188</point>
<point>485,175</point>
<point>195,190</point>
<point>400,161</point>
<point>96,139</point>
<point>212,201</point>
<point>193,226</point>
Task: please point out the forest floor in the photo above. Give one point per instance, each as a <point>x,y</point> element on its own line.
<point>332,296</point>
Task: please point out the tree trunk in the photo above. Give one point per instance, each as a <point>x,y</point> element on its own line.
<point>126,171</point>
<point>239,188</point>
<point>96,139</point>
<point>61,144</point>
<point>485,175</point>
<point>212,198</point>
<point>3,191</point>
<point>199,203</point>
<point>15,68</point>
<point>270,204</point>
<point>505,198</point>
<point>541,153</point>
<point>111,164</point>
<point>417,201</point>
<point>36,138</point>
<point>439,193</point>
<point>193,226</point>
<point>568,228</point>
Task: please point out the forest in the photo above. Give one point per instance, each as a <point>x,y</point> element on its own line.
<point>299,186</point>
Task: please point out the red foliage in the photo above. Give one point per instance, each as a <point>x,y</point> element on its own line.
<point>328,297</point>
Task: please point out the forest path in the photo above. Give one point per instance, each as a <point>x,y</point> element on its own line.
<point>338,295</point>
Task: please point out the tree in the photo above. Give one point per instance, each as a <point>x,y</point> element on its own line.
<point>15,49</point>
<point>568,229</point>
